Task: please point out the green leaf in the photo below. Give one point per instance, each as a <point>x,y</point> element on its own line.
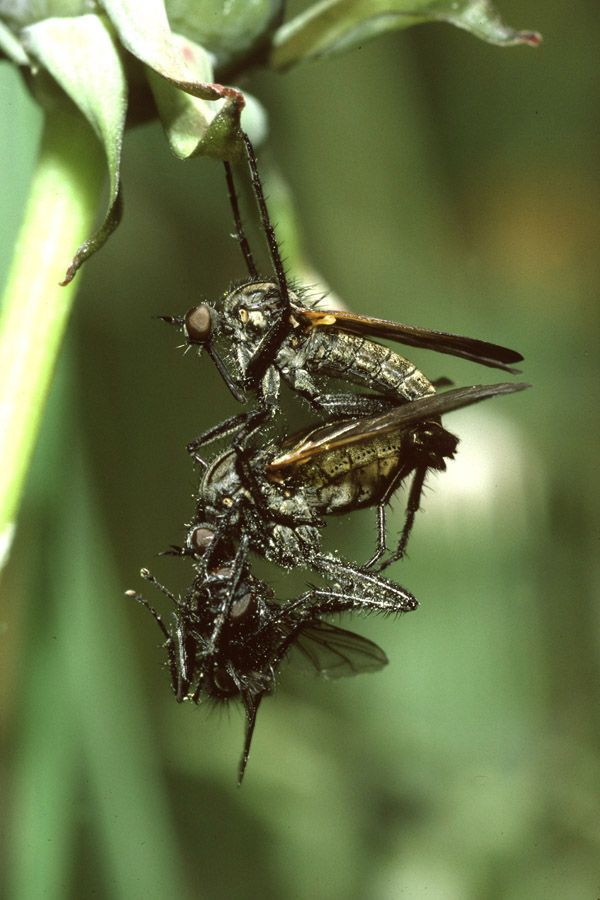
<point>28,12</point>
<point>334,26</point>
<point>144,30</point>
<point>60,210</point>
<point>231,31</point>
<point>194,126</point>
<point>11,46</point>
<point>83,57</point>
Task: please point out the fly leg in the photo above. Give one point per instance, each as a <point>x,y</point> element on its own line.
<point>351,405</point>
<point>412,507</point>
<point>355,589</point>
<point>334,404</point>
<point>381,519</point>
<point>240,425</point>
<point>243,424</point>
<point>381,537</point>
<point>175,667</point>
<point>239,227</point>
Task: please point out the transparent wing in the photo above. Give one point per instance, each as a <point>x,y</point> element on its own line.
<point>334,652</point>
<point>352,431</point>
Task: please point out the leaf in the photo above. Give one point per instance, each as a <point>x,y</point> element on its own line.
<point>195,126</point>
<point>11,46</point>
<point>232,32</point>
<point>143,29</point>
<point>83,57</point>
<point>334,26</point>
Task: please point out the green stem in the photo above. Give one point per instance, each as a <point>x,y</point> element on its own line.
<point>59,216</point>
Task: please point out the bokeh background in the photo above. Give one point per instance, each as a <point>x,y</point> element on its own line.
<point>438,181</point>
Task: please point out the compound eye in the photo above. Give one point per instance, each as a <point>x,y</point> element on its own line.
<point>224,682</point>
<point>242,607</point>
<point>243,316</point>
<point>201,538</point>
<point>197,324</point>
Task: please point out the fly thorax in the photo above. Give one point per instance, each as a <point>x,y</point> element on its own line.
<point>252,311</point>
<point>220,487</point>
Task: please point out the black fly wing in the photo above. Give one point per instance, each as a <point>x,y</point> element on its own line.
<point>493,355</point>
<point>352,431</point>
<point>334,652</point>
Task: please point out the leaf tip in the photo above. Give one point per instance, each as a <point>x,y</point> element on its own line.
<point>532,38</point>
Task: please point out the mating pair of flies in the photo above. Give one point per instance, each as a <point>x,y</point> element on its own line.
<point>229,635</point>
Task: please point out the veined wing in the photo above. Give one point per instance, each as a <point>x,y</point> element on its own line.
<point>351,431</point>
<point>334,652</point>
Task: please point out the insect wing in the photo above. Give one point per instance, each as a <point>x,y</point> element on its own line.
<point>482,352</point>
<point>352,431</point>
<point>334,652</point>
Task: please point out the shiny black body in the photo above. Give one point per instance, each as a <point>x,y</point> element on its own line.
<point>228,635</point>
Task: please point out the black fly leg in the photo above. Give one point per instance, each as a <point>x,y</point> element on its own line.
<point>174,667</point>
<point>351,405</point>
<point>356,589</point>
<point>266,223</point>
<point>244,455</point>
<point>412,508</point>
<point>237,218</point>
<point>381,537</point>
<point>264,359</point>
<point>233,425</point>
<point>381,519</point>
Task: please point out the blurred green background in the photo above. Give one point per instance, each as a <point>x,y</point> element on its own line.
<point>438,181</point>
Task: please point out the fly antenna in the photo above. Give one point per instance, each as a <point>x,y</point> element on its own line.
<point>237,218</point>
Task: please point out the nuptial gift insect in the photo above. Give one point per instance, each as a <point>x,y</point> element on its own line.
<point>272,332</point>
<point>275,495</point>
<point>228,636</point>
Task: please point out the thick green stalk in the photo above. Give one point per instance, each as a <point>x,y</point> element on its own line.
<point>59,215</point>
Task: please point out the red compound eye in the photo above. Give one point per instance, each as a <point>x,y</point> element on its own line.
<point>197,324</point>
<point>242,607</point>
<point>201,539</point>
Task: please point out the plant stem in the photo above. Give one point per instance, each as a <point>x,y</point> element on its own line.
<point>59,215</point>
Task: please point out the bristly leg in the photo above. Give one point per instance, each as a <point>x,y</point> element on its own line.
<point>266,223</point>
<point>237,218</point>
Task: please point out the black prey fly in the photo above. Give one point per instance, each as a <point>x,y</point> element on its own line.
<point>228,636</point>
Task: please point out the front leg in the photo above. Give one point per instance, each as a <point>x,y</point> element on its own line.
<point>233,425</point>
<point>242,425</point>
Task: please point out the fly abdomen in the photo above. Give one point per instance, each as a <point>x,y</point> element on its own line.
<point>349,478</point>
<point>365,363</point>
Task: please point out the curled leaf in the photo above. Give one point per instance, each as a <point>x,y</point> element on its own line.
<point>198,125</point>
<point>82,54</point>
<point>334,26</point>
